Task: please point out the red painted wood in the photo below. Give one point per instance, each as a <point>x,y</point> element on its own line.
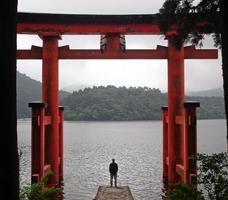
<point>165,143</point>
<point>190,52</point>
<point>38,140</point>
<point>175,101</point>
<point>50,96</point>
<point>42,142</point>
<point>33,53</point>
<point>61,142</point>
<point>91,29</point>
<point>180,170</point>
<point>190,140</point>
<point>159,53</point>
<point>97,54</point>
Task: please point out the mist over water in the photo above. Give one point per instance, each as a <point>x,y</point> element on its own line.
<point>136,146</point>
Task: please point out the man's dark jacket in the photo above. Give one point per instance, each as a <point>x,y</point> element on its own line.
<point>113,168</point>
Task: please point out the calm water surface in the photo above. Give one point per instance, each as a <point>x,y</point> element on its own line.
<point>136,146</point>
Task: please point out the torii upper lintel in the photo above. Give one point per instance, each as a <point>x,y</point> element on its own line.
<point>65,24</point>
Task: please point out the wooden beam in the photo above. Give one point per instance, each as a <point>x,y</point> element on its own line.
<point>34,23</point>
<point>190,52</point>
<point>159,53</point>
<point>87,29</point>
<point>34,53</point>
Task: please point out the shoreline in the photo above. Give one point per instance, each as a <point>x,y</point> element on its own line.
<point>29,119</point>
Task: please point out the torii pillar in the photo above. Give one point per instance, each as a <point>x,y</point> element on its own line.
<point>50,96</point>
<point>176,97</point>
<point>179,118</point>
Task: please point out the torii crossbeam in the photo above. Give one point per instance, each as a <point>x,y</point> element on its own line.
<point>160,52</point>
<point>179,118</point>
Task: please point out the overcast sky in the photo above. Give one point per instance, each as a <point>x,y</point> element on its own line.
<point>199,74</point>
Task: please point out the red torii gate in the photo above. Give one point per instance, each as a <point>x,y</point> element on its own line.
<point>179,118</point>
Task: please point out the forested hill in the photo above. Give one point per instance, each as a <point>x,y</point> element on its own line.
<point>29,90</point>
<point>112,103</point>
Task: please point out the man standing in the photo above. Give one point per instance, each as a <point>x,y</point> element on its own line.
<point>113,169</point>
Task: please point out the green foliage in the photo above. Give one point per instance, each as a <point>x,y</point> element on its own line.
<point>29,90</point>
<point>111,103</point>
<point>191,21</point>
<point>37,191</point>
<point>212,178</point>
<point>185,192</point>
<point>142,103</point>
<point>210,107</point>
<point>213,175</point>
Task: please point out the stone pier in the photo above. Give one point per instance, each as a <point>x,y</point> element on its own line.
<point>113,193</point>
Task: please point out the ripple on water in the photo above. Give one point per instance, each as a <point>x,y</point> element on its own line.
<point>90,146</point>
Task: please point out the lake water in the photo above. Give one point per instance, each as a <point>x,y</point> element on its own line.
<point>136,146</point>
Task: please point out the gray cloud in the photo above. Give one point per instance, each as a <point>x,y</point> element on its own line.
<point>199,74</point>
<point>91,6</point>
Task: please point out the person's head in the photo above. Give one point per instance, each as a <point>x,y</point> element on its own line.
<point>113,160</point>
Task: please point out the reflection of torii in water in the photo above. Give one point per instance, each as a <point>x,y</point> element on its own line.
<point>178,119</point>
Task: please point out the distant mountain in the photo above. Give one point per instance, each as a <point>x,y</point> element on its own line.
<point>142,103</point>
<point>217,92</point>
<point>29,90</point>
<point>111,103</point>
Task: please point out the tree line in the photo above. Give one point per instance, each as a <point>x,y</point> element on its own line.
<point>119,104</point>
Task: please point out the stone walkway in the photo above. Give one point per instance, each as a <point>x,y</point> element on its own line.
<point>112,193</point>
